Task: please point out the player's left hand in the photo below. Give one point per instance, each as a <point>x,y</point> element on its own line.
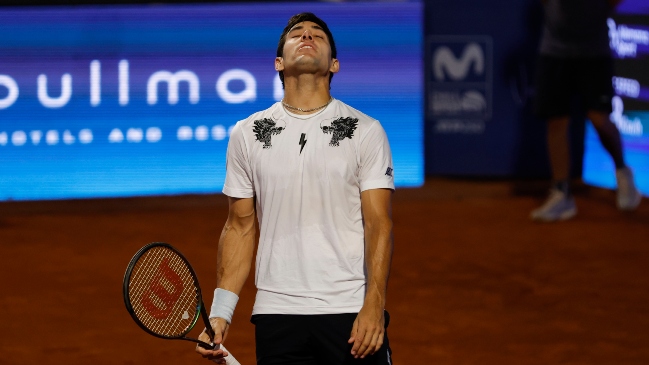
<point>368,331</point>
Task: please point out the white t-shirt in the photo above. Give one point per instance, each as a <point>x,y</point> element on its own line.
<point>307,173</point>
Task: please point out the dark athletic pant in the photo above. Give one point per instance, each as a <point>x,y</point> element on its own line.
<point>560,80</point>
<point>289,339</point>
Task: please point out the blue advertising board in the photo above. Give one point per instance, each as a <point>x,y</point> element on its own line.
<point>629,40</point>
<point>112,101</point>
<point>478,68</point>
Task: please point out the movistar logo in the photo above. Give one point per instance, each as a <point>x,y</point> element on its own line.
<point>446,65</point>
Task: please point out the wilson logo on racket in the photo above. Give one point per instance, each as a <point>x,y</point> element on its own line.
<point>160,291</point>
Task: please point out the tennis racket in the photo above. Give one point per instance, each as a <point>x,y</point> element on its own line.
<point>162,294</point>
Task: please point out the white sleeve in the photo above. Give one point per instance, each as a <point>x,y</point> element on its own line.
<point>376,169</point>
<point>238,175</point>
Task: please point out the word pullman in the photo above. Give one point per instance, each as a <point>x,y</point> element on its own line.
<point>172,79</point>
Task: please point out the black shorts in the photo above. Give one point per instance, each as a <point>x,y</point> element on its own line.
<point>560,81</point>
<point>311,340</point>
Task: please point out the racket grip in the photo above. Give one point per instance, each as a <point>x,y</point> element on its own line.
<point>229,360</point>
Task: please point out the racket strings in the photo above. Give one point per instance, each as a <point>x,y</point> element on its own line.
<point>142,276</point>
<point>187,302</point>
<point>163,293</point>
<point>171,322</point>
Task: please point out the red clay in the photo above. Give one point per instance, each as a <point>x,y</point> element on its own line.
<point>473,280</point>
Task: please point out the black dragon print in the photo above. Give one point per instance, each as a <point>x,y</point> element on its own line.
<point>264,129</point>
<point>341,128</point>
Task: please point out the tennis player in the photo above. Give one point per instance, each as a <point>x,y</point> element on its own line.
<point>318,175</point>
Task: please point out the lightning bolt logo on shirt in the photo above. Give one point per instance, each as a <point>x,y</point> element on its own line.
<point>302,142</point>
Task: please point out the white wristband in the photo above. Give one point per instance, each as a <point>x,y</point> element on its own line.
<point>223,304</point>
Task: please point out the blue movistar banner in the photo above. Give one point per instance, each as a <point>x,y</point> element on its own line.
<point>140,100</point>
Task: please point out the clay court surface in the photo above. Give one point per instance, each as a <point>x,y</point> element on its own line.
<point>473,281</point>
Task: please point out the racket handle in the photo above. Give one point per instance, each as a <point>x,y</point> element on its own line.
<point>229,360</point>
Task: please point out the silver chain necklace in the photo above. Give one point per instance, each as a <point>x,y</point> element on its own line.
<point>306,110</point>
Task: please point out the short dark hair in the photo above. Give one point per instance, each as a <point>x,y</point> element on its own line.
<point>299,18</point>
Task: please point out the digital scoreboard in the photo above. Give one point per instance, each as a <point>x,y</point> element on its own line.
<point>629,40</point>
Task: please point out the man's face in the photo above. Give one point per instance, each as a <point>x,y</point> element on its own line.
<point>306,50</point>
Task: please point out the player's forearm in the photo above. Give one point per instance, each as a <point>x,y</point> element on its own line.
<point>378,257</point>
<point>236,246</point>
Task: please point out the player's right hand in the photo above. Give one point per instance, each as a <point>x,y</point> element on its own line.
<point>220,327</point>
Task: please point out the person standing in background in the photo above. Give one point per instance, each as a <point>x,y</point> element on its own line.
<point>575,61</point>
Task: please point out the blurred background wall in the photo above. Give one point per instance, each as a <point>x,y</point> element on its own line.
<point>121,98</point>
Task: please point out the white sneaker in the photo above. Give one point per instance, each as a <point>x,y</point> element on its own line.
<point>558,207</point>
<point>628,196</point>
